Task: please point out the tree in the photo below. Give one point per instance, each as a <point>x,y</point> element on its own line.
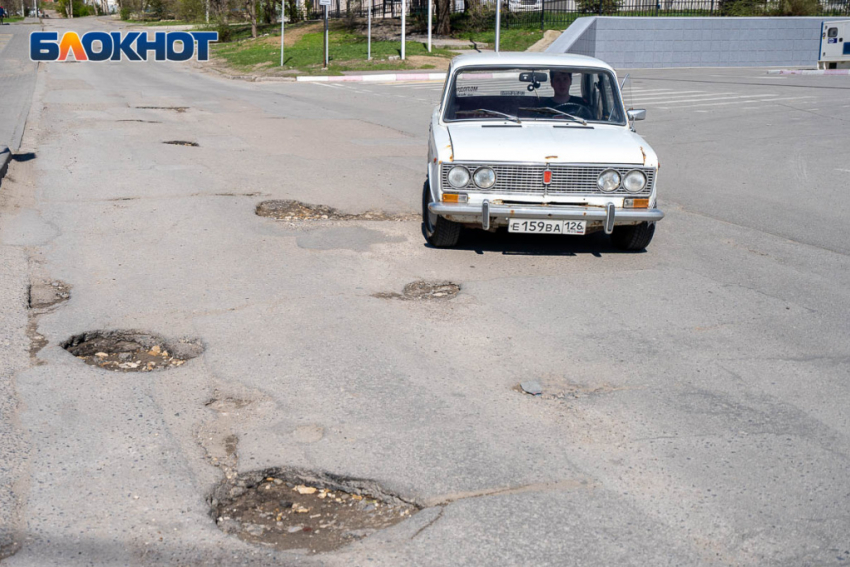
<point>251,8</point>
<point>444,20</point>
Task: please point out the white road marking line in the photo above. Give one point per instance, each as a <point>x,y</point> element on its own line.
<point>767,101</point>
<point>662,98</point>
<point>715,96</point>
<point>324,85</point>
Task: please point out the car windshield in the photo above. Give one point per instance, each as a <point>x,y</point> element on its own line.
<point>562,94</point>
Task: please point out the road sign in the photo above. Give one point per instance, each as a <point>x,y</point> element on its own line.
<point>324,2</point>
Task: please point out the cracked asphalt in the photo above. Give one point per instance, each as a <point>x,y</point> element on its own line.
<point>695,395</point>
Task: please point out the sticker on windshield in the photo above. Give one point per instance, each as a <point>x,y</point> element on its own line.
<point>467,91</point>
<point>512,93</point>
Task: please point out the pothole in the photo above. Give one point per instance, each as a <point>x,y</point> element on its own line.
<point>182,143</point>
<point>290,509</point>
<point>298,211</point>
<point>131,351</point>
<point>44,294</point>
<point>180,109</point>
<point>422,290</point>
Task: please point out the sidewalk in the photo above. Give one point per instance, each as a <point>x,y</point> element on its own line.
<point>16,87</point>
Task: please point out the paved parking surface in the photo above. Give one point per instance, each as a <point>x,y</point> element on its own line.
<point>695,395</point>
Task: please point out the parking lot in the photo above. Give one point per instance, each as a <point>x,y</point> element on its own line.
<point>694,396</point>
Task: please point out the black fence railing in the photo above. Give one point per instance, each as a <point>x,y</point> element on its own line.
<point>561,13</point>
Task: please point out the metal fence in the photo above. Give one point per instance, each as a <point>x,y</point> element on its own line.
<point>561,13</point>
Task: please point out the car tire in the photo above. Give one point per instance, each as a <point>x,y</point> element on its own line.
<point>634,237</point>
<point>439,232</point>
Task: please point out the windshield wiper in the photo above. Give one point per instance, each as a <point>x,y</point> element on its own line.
<point>548,110</point>
<point>488,111</point>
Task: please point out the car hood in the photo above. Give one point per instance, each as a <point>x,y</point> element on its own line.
<point>545,143</point>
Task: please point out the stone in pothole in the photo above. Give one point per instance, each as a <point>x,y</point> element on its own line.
<point>131,351</point>
<point>298,510</point>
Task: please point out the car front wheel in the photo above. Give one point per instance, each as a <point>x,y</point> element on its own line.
<point>633,237</point>
<point>439,232</point>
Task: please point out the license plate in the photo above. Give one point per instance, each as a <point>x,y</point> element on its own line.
<point>546,226</point>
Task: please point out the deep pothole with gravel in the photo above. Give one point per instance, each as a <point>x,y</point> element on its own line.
<point>297,211</point>
<point>132,351</point>
<point>292,509</point>
<point>422,290</point>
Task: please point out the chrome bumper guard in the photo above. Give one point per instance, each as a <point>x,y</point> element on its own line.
<point>609,215</point>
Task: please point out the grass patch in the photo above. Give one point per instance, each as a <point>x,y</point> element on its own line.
<point>509,40</point>
<point>346,51</point>
<point>11,19</point>
<point>171,23</point>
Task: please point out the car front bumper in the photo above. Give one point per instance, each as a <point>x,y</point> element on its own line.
<point>490,215</point>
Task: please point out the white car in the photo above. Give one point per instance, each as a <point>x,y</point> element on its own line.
<point>525,5</point>
<point>538,143</point>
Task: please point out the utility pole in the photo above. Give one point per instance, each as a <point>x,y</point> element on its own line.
<point>369,33</point>
<point>207,4</point>
<point>282,16</point>
<point>326,36</point>
<point>403,9</point>
<point>430,4</point>
<point>499,21</point>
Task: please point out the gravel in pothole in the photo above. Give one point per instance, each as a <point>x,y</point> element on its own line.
<point>422,290</point>
<point>291,514</point>
<point>131,351</point>
<point>298,211</point>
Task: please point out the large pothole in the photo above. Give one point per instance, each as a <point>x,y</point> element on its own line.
<point>297,211</point>
<point>291,509</point>
<point>422,290</point>
<point>131,351</point>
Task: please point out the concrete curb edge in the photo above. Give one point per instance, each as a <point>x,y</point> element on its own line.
<point>383,77</point>
<point>810,72</point>
<point>5,158</point>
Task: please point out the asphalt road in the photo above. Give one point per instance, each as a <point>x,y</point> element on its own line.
<point>695,395</point>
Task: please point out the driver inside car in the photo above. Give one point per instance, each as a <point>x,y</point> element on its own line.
<point>561,82</point>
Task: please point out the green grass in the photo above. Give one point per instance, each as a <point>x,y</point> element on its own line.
<point>170,23</point>
<point>347,52</point>
<point>509,39</point>
<point>10,19</point>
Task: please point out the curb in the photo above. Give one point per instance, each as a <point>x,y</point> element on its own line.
<point>810,72</point>
<point>5,158</point>
<point>386,77</point>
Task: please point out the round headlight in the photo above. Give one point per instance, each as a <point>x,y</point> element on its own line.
<point>634,181</point>
<point>608,180</point>
<point>484,177</point>
<point>459,177</point>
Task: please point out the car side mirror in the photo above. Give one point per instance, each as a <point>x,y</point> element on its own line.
<point>636,114</point>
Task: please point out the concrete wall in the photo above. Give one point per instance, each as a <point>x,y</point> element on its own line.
<point>626,42</point>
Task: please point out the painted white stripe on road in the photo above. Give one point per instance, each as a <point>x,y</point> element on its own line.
<point>741,102</point>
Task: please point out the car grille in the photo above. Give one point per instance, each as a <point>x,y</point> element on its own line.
<point>566,179</point>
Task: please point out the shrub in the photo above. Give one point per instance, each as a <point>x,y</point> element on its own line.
<point>799,8</point>
<point>598,6</point>
<point>126,12</point>
<point>225,34</point>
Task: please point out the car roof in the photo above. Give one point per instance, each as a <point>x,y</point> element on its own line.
<point>521,58</point>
